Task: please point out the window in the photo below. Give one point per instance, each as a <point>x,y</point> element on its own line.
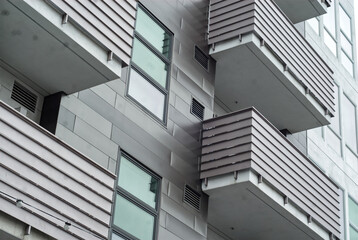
<point>149,73</point>
<point>346,41</point>
<point>329,35</point>
<point>349,123</point>
<point>136,205</point>
<point>353,219</point>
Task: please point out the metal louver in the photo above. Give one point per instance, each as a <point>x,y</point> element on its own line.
<point>192,198</point>
<point>24,97</point>
<point>201,58</point>
<point>197,109</point>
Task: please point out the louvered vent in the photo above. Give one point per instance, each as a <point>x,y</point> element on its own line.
<point>197,109</point>
<point>24,97</point>
<point>201,57</point>
<point>192,197</point>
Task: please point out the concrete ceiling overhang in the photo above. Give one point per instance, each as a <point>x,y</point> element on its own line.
<point>248,74</point>
<point>301,10</point>
<point>244,210</point>
<point>43,54</point>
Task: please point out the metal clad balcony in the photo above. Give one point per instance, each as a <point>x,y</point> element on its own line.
<point>53,178</point>
<point>263,61</point>
<point>259,184</point>
<point>302,10</point>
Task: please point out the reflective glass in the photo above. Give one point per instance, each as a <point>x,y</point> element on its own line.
<point>347,63</point>
<point>133,219</point>
<point>146,94</point>
<point>329,20</point>
<point>349,123</point>
<point>137,182</point>
<point>353,212</point>
<point>330,42</point>
<point>345,22</point>
<point>153,32</point>
<point>346,45</point>
<point>116,237</point>
<point>314,23</point>
<point>149,62</point>
<point>353,233</point>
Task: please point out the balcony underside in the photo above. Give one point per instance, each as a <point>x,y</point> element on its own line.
<point>302,10</point>
<point>244,209</point>
<point>248,74</point>
<point>31,46</point>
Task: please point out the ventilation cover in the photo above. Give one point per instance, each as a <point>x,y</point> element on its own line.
<point>197,109</point>
<point>192,198</point>
<point>201,57</point>
<point>24,97</point>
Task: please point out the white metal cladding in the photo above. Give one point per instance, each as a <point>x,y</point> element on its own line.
<point>229,19</point>
<point>246,140</point>
<point>110,22</point>
<point>44,172</point>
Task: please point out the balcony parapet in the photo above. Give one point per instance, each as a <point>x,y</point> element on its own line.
<point>245,140</point>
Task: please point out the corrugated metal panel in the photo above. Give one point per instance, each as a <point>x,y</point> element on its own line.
<point>228,19</point>
<point>111,23</point>
<point>245,139</point>
<point>39,169</point>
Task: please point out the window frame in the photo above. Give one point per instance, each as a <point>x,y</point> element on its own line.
<point>119,191</point>
<point>351,225</point>
<point>167,60</point>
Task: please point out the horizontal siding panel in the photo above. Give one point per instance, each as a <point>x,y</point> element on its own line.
<point>228,19</point>
<point>271,155</point>
<point>54,177</point>
<point>111,23</point>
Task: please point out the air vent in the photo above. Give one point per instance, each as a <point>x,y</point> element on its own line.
<point>201,57</point>
<point>24,97</point>
<point>197,109</point>
<point>192,197</point>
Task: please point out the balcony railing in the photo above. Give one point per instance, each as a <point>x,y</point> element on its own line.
<point>245,140</point>
<point>56,182</point>
<point>249,37</point>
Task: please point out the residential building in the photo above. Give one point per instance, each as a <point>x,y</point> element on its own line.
<point>178,119</point>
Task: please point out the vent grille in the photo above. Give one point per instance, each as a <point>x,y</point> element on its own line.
<point>201,58</point>
<point>24,97</point>
<point>192,197</point>
<point>197,109</point>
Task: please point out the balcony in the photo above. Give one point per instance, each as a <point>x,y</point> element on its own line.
<point>56,181</point>
<point>260,186</point>
<point>263,61</point>
<point>298,11</point>
<point>65,46</point>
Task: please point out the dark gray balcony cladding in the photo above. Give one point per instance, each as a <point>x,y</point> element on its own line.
<point>230,18</point>
<point>246,140</point>
<point>110,23</point>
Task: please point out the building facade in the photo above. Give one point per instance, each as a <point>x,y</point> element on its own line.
<point>178,119</point>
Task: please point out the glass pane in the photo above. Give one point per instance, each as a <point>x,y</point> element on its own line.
<point>152,32</point>
<point>330,42</point>
<point>133,219</point>
<point>347,63</point>
<point>346,45</point>
<point>149,62</point>
<point>334,142</point>
<point>349,123</point>
<point>353,233</point>
<point>345,22</point>
<point>351,159</point>
<point>116,237</point>
<point>137,182</point>
<point>146,94</point>
<point>353,212</point>
<point>335,120</point>
<point>313,22</point>
<point>329,20</point>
